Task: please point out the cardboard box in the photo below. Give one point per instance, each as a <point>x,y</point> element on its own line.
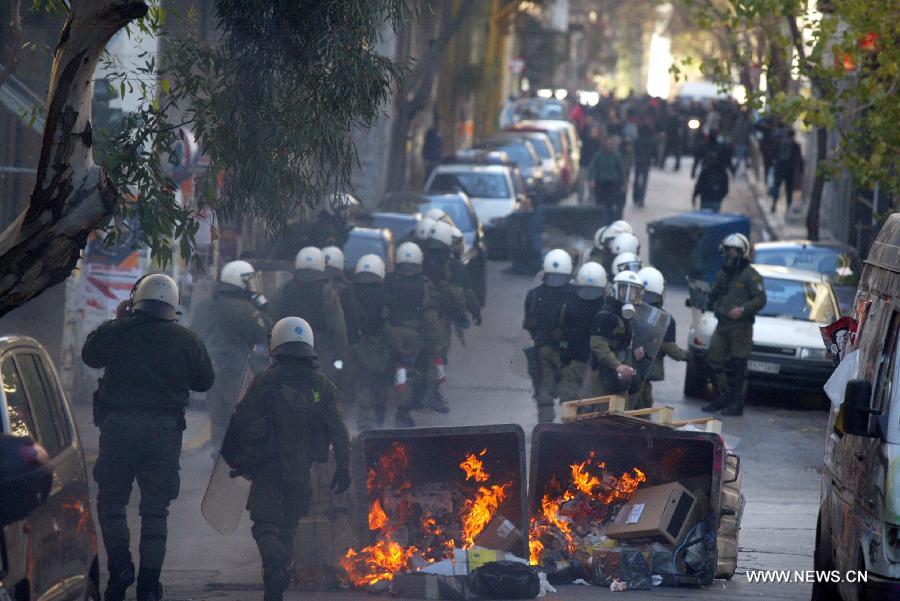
<point>499,534</point>
<point>665,513</point>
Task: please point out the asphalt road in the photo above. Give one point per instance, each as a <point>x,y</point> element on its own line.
<point>780,445</point>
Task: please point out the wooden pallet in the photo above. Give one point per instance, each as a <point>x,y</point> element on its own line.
<point>587,409</point>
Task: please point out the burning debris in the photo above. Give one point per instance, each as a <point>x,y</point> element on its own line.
<point>574,516</point>
<point>415,526</point>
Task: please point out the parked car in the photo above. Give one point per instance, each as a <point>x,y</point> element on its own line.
<point>838,262</point>
<point>496,190</point>
<point>788,351</point>
<point>461,211</point>
<point>367,240</point>
<point>401,225</point>
<point>560,133</point>
<point>858,529</point>
<point>52,552</point>
<point>521,152</point>
<point>543,147</point>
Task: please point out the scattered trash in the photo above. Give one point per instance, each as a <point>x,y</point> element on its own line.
<point>505,580</point>
<point>617,586</point>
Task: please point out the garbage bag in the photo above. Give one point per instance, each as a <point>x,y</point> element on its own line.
<point>505,580</point>
<point>634,571</point>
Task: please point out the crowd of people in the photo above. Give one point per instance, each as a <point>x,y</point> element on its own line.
<point>623,139</point>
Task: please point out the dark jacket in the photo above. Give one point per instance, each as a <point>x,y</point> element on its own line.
<point>318,303</point>
<point>288,419</point>
<point>712,185</point>
<point>542,308</point>
<point>229,322</point>
<point>150,364</point>
<point>576,320</point>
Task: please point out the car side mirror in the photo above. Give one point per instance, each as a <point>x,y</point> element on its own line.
<point>25,478</point>
<point>857,408</point>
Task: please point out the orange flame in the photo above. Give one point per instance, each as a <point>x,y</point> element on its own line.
<point>583,480</point>
<point>474,467</point>
<point>478,512</point>
<point>377,562</point>
<point>378,519</point>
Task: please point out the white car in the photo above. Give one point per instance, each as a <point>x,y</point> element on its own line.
<point>788,351</point>
<point>492,189</point>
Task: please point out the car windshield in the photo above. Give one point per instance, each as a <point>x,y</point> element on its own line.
<point>517,152</point>
<point>357,246</point>
<point>458,212</point>
<point>473,184</point>
<point>793,299</point>
<point>542,147</point>
<point>840,267</point>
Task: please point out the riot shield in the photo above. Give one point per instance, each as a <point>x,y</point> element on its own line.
<point>649,326</point>
<point>226,497</point>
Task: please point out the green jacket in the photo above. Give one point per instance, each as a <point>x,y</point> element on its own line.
<point>318,303</point>
<point>150,364</point>
<point>288,419</point>
<point>228,322</point>
<point>607,168</point>
<point>741,287</point>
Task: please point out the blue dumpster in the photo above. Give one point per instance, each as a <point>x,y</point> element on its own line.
<point>687,245</point>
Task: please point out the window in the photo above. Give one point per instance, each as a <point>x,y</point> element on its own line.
<point>476,185</point>
<point>793,299</point>
<point>46,416</point>
<point>21,422</point>
<point>457,211</point>
<point>842,268</point>
<point>887,366</point>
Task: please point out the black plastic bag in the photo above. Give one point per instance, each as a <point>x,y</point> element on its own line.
<point>634,571</point>
<point>505,580</point>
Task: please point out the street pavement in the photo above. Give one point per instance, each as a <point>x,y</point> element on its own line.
<point>781,446</point>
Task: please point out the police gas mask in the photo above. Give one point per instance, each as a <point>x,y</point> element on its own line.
<point>628,289</point>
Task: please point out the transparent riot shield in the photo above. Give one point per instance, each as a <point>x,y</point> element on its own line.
<point>226,497</point>
<point>649,326</point>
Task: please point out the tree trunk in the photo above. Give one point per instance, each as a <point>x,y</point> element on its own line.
<point>72,196</point>
<point>815,197</point>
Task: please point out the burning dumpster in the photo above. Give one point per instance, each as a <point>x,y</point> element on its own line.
<point>438,495</point>
<point>621,500</point>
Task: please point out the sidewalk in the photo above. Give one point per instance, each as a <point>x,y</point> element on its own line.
<point>782,224</point>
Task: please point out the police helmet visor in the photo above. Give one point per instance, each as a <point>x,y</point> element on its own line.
<point>408,268</point>
<point>652,298</point>
<point>294,349</point>
<point>634,266</point>
<point>367,277</point>
<point>309,275</point>
<point>251,282</point>
<point>157,309</point>
<point>589,292</point>
<point>628,293</point>
<point>555,280</point>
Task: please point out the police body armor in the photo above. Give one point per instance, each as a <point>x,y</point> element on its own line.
<point>306,299</point>
<point>372,299</point>
<point>405,300</point>
<point>543,312</point>
<point>577,319</point>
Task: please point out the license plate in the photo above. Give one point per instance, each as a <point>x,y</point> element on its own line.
<point>763,366</point>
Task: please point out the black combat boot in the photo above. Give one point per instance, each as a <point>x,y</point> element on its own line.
<point>736,405</point>
<point>121,574</point>
<point>275,582</point>
<point>148,586</point>
<point>403,418</point>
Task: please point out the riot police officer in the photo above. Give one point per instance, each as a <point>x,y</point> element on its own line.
<point>371,352</point>
<point>151,363</point>
<point>231,323</point>
<point>614,359</point>
<point>334,269</point>
<point>310,294</point>
<point>411,327</point>
<point>575,321</point>
<point>736,297</point>
<point>543,306</point>
<point>626,261</point>
<point>288,419</point>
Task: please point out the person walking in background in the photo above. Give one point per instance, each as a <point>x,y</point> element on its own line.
<point>674,132</point>
<point>787,165</point>
<point>712,184</point>
<point>590,144</point>
<point>607,176</point>
<point>433,146</point>
<point>644,151</point>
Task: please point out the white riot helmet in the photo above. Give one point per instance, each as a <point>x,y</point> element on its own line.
<point>424,227</point>
<point>627,261</point>
<point>292,336</point>
<point>654,285</point>
<point>369,269</point>
<point>738,241</point>
<point>590,281</point>
<point>240,274</point>
<point>441,235</point>
<point>157,295</point>
<point>341,201</point>
<point>310,264</point>
<point>334,258</point>
<point>557,268</point>
<point>625,243</point>
<point>598,237</point>
<point>437,214</point>
<point>628,289</point>
<point>607,235</point>
<point>408,258</point>
<point>622,226</point>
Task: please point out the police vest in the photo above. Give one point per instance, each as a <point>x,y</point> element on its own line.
<point>305,300</point>
<point>405,299</point>
<point>544,305</point>
<point>577,319</point>
<point>371,299</point>
<point>609,324</point>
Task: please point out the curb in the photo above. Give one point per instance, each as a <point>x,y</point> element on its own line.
<point>760,199</point>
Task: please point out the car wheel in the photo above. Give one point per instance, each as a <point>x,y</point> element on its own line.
<point>823,591</point>
<point>694,381</point>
